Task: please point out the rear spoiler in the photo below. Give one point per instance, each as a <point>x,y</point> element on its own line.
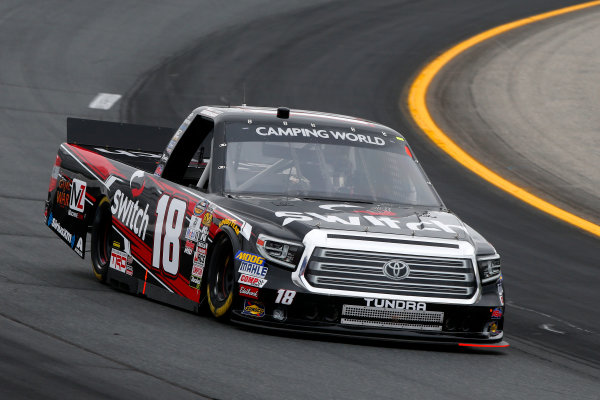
<point>139,146</point>
<point>118,135</point>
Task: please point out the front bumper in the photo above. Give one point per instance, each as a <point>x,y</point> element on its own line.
<point>480,324</point>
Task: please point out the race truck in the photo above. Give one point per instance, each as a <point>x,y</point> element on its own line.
<point>287,219</point>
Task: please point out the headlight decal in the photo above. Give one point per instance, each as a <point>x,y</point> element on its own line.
<point>283,252</point>
<point>489,268</point>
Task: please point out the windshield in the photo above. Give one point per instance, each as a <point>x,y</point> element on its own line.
<point>324,164</point>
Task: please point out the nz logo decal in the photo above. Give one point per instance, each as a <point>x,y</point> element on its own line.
<point>77,198</point>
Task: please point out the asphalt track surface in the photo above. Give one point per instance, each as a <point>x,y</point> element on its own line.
<point>62,335</point>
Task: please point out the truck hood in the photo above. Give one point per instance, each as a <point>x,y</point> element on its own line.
<point>298,216</point>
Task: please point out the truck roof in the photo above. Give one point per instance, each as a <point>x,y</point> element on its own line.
<point>270,114</point>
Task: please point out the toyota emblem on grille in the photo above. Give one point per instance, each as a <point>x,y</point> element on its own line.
<point>396,269</point>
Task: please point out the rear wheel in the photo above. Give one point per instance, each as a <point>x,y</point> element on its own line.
<point>101,234</point>
<point>221,279</point>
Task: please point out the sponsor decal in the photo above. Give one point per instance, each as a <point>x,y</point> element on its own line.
<point>205,206</point>
<point>63,193</point>
<point>74,214</point>
<point>396,304</point>
<point>195,282</point>
<point>200,255</point>
<point>189,247</point>
<point>232,224</point>
<point>257,270</point>
<point>192,234</point>
<point>253,308</point>
<point>178,134</point>
<point>368,220</point>
<point>207,219</point>
<point>195,231</point>
<point>497,313</point>
<point>60,230</point>
<point>118,260</point>
<point>320,133</point>
<point>129,270</point>
<point>130,213</point>
<point>249,257</point>
<point>248,291</point>
<point>116,245</point>
<point>197,271</point>
<point>200,250</point>
<point>137,183</point>
<point>493,327</point>
<point>196,277</point>
<point>200,207</point>
<point>199,260</point>
<point>195,223</point>
<point>78,247</point>
<point>75,242</point>
<point>159,169</point>
<point>170,147</point>
<point>252,280</point>
<point>204,234</point>
<point>77,196</point>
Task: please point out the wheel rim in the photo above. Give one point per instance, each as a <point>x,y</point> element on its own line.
<point>224,281</point>
<point>103,247</point>
<point>101,236</point>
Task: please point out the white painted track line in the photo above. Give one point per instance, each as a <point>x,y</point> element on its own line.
<point>104,101</point>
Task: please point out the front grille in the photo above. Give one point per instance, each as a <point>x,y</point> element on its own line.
<point>393,314</point>
<point>351,270</point>
<point>384,324</point>
<point>391,318</point>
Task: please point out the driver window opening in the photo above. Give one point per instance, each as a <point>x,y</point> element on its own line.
<point>191,156</point>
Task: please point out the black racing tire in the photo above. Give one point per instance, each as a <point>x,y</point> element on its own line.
<point>101,240</point>
<point>220,285</point>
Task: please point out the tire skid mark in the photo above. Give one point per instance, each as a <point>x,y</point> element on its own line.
<point>570,325</point>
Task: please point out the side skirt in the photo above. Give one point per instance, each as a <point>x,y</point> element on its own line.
<point>125,283</point>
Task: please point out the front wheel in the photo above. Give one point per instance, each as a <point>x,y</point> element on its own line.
<point>101,234</point>
<point>221,279</point>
